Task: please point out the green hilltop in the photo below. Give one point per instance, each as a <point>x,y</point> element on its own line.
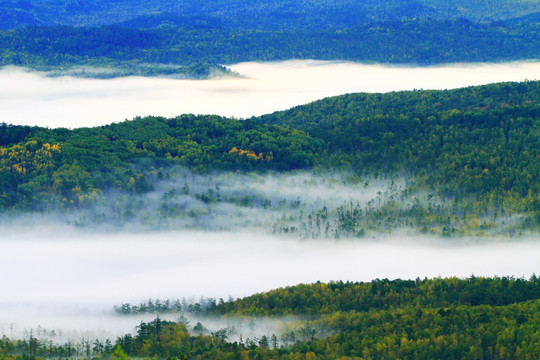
<point>474,153</point>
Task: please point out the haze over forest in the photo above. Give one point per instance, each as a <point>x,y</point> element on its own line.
<point>269,180</point>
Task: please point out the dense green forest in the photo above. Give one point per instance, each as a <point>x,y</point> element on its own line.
<point>189,39</point>
<point>320,298</point>
<point>478,141</point>
<point>50,167</point>
<point>313,300</point>
<point>470,157</point>
<point>159,51</point>
<point>264,14</point>
<point>474,318</point>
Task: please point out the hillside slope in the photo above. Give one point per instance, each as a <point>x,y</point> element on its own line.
<point>470,157</point>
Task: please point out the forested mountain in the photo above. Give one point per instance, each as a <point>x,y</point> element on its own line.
<point>471,158</point>
<point>40,167</point>
<point>474,318</point>
<point>409,41</point>
<point>264,14</point>
<point>168,37</point>
<point>471,133</point>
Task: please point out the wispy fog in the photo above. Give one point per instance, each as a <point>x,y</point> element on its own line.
<point>221,201</point>
<point>301,204</point>
<point>34,99</point>
<point>67,322</point>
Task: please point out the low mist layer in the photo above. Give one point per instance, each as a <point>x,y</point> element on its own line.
<point>61,323</point>
<point>300,204</point>
<point>264,88</point>
<point>69,265</point>
<point>66,278</point>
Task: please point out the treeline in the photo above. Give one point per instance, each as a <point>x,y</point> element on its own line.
<point>167,306</point>
<point>474,318</point>
<point>326,298</point>
<point>411,41</point>
<point>313,300</point>
<point>107,69</point>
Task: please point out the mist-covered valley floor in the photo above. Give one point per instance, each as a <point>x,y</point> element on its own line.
<point>69,279</point>
<point>226,235</point>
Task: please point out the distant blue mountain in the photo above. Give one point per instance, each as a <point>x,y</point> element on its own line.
<point>259,14</point>
<point>139,37</point>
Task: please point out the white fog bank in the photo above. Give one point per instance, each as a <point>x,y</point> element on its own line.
<point>63,265</point>
<point>30,98</point>
<point>65,279</point>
